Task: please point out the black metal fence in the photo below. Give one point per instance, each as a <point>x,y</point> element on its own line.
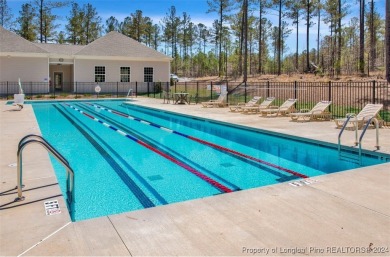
<point>346,97</point>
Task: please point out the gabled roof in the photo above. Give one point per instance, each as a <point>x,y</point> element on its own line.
<point>60,48</point>
<point>113,44</point>
<point>10,42</point>
<point>117,44</point>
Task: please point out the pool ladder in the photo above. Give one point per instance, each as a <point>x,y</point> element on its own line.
<point>352,156</point>
<point>69,172</point>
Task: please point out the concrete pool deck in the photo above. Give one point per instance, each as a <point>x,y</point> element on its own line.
<point>338,214</point>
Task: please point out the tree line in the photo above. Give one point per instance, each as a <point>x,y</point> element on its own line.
<point>241,42</point>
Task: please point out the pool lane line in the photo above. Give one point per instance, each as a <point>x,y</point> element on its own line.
<point>129,182</point>
<point>122,173</point>
<point>297,174</point>
<point>167,149</point>
<point>281,174</point>
<point>209,180</point>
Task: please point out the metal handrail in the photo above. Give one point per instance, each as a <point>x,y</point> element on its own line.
<point>375,120</point>
<point>343,128</point>
<point>44,140</point>
<point>69,171</point>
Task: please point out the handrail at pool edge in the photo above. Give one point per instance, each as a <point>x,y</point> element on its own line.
<point>70,173</point>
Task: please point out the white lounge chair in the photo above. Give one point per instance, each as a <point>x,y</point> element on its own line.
<point>251,103</point>
<point>18,100</point>
<point>369,111</point>
<point>317,113</point>
<point>255,109</point>
<point>286,108</point>
<point>220,102</point>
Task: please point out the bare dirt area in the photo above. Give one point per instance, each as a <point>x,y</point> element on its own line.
<point>378,76</point>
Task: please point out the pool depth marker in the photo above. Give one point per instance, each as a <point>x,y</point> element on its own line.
<point>209,180</point>
<point>202,141</point>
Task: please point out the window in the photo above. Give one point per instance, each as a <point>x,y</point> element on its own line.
<point>148,74</point>
<point>125,74</point>
<point>100,74</point>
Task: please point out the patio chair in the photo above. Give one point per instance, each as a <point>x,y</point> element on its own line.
<point>251,103</point>
<point>369,111</point>
<point>286,108</point>
<point>220,102</point>
<point>255,109</point>
<point>167,97</point>
<point>317,113</point>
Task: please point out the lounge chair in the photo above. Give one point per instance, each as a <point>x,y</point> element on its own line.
<point>317,113</point>
<point>286,108</point>
<point>369,111</point>
<point>255,109</point>
<point>238,107</point>
<point>220,102</point>
<point>19,100</point>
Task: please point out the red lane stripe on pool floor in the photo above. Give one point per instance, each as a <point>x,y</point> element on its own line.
<point>181,164</point>
<point>248,157</point>
<point>297,174</point>
<point>185,166</point>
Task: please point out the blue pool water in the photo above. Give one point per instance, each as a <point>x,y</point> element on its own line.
<point>126,157</point>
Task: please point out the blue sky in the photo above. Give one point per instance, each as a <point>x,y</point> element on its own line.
<point>157,9</point>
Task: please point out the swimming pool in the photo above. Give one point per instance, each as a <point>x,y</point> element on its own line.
<point>127,157</point>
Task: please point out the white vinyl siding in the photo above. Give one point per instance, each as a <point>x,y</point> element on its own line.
<point>84,70</point>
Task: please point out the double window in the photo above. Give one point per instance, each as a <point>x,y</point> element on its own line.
<point>148,74</point>
<point>100,74</point>
<point>125,74</point>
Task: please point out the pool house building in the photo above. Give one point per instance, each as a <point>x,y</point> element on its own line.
<point>110,61</point>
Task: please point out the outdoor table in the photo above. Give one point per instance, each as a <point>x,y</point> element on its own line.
<point>181,98</point>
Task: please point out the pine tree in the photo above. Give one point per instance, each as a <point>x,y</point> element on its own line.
<point>112,24</point>
<point>387,41</point>
<point>5,15</point>
<point>27,26</point>
<point>361,37</point>
<point>294,9</point>
<point>222,7</point>
<point>44,7</point>
<point>74,26</point>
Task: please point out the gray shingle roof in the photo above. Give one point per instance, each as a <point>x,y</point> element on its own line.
<point>113,44</point>
<point>60,48</point>
<point>10,42</point>
<point>117,44</point>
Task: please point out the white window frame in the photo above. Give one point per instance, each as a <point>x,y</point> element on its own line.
<point>124,74</point>
<point>98,74</point>
<point>149,74</point>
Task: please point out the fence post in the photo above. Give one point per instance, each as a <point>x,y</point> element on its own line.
<point>136,89</point>
<point>148,89</point>
<point>373,91</point>
<point>31,92</point>
<point>185,86</point>
<point>295,90</point>
<point>227,91</point>
<point>7,90</point>
<point>197,92</point>
<point>330,95</point>
<point>245,91</point>
<point>117,89</point>
<point>267,89</point>
<point>211,90</point>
